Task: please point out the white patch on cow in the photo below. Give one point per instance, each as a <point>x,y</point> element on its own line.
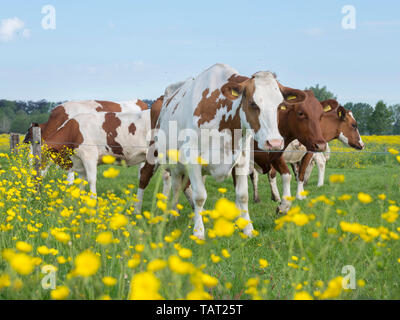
<point>285,204</point>
<point>344,139</point>
<point>274,189</point>
<point>268,97</point>
<point>300,189</point>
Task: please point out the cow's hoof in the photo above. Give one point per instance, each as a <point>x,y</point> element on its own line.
<point>248,230</point>
<point>283,208</point>
<point>257,200</point>
<point>275,199</point>
<point>300,197</point>
<point>199,235</point>
<point>320,185</point>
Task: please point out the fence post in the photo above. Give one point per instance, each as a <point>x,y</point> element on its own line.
<point>36,148</point>
<point>14,142</point>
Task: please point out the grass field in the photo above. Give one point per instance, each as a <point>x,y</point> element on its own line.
<point>103,250</point>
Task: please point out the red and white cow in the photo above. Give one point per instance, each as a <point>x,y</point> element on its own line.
<point>65,111</point>
<point>221,104</point>
<point>92,136</point>
<point>336,123</point>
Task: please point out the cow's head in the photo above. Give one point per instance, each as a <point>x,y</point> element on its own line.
<point>259,97</point>
<point>29,136</point>
<point>299,118</point>
<point>341,124</point>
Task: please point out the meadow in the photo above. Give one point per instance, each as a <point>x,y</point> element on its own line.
<point>103,249</point>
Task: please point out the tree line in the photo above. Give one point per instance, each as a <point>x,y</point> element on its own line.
<point>381,119</point>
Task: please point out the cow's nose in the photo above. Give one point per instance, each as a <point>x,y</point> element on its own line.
<point>320,146</point>
<point>274,144</point>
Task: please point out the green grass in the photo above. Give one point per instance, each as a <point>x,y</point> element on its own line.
<point>375,262</point>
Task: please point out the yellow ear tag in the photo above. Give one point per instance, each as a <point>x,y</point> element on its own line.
<point>235,93</point>
<point>327,108</point>
<point>291,98</point>
<point>340,114</point>
<point>282,107</point>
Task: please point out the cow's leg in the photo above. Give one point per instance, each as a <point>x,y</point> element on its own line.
<point>70,176</point>
<point>90,164</point>
<point>254,181</point>
<point>199,198</point>
<point>166,183</point>
<point>303,166</point>
<point>321,164</point>
<point>242,190</point>
<point>309,170</point>
<point>146,172</point>
<point>281,166</point>
<point>295,169</point>
<point>275,196</point>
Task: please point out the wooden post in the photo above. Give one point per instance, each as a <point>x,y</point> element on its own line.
<point>14,142</point>
<point>36,148</point>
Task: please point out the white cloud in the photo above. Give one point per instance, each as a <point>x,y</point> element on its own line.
<point>10,27</point>
<point>314,32</point>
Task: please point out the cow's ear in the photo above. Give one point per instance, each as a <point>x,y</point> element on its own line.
<point>291,95</point>
<point>232,90</point>
<point>341,112</point>
<point>329,105</point>
<point>284,107</point>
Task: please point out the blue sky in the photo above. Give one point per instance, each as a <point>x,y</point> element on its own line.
<point>120,50</point>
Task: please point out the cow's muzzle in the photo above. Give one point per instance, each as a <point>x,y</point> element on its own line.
<point>274,145</point>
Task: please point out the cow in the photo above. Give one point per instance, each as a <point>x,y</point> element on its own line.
<point>223,101</point>
<point>94,135</point>
<point>297,119</point>
<point>336,123</point>
<point>63,112</point>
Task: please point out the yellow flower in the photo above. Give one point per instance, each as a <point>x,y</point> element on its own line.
<point>242,223</point>
<point>344,197</point>
<point>108,159</point>
<point>302,295</point>
<point>117,221</point>
<point>109,281</point>
<point>62,236</point>
<point>361,283</point>
<point>139,247</point>
<point>86,264</point>
<point>263,263</point>
<point>173,155</point>
<point>382,196</point>
<point>215,258</point>
<point>22,263</point>
<point>364,197</point>
<point>208,280</point>
<point>179,266</point>
<point>4,281</point>
<point>104,238</point>
<point>133,263</point>
<point>201,161</point>
<point>43,250</point>
<point>156,264</point>
<point>223,228</point>
<point>334,289</point>
<point>60,293</point>
<point>145,286</point>
<point>222,190</point>
<point>61,260</point>
<point>336,178</point>
<point>111,173</point>
<point>185,253</point>
<point>225,253</point>
<point>393,151</point>
<point>23,246</point>
<point>227,209</point>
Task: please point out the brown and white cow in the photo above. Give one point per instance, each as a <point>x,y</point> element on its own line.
<point>92,136</point>
<point>336,123</point>
<point>63,112</point>
<point>221,104</point>
<point>298,118</point>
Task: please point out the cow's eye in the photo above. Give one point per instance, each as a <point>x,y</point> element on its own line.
<point>300,113</point>
<point>354,126</point>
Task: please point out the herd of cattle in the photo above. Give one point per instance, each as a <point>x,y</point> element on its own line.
<point>263,125</point>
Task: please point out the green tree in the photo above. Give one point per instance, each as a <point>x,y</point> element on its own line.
<point>362,113</point>
<point>20,123</point>
<point>322,93</point>
<point>396,117</point>
<point>381,120</point>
